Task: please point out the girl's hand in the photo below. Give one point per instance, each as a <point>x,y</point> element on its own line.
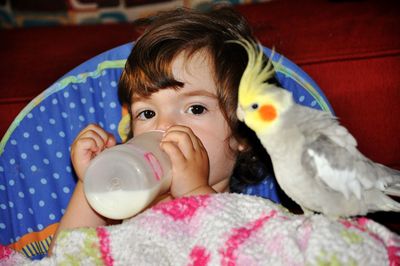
<point>90,142</point>
<point>189,158</point>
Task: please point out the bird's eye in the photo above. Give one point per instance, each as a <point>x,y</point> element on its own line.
<point>254,106</point>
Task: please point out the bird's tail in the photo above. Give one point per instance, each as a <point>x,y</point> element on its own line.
<point>393,190</point>
<point>378,201</point>
<point>389,204</point>
<point>393,186</point>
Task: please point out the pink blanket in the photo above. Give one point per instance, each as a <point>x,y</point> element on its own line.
<point>223,229</point>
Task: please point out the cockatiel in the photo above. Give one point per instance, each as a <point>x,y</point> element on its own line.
<point>315,159</point>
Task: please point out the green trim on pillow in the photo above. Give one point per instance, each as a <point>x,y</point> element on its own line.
<point>306,85</point>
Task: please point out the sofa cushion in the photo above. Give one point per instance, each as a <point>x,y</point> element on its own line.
<point>33,58</point>
<point>352,50</point>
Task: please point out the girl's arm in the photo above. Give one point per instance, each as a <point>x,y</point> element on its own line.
<point>78,214</point>
<point>90,142</point>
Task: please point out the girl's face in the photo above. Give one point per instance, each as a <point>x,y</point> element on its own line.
<point>195,105</point>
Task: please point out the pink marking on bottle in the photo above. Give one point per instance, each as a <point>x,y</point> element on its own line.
<point>199,256</point>
<point>105,248</point>
<point>239,236</point>
<point>154,164</point>
<point>182,208</point>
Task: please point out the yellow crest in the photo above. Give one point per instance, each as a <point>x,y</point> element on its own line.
<point>257,72</point>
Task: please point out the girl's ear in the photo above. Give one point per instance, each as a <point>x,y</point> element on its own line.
<point>238,145</point>
<point>242,147</point>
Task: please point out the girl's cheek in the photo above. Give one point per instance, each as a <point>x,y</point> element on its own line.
<point>138,128</point>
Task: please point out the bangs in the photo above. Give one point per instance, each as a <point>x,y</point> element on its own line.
<point>148,74</point>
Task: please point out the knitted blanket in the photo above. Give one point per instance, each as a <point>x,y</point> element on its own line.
<point>223,229</point>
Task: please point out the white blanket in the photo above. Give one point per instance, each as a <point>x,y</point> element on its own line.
<point>223,229</point>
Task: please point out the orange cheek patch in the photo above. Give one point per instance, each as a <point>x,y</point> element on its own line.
<point>267,112</point>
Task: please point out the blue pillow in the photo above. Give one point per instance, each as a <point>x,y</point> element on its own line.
<point>36,175</point>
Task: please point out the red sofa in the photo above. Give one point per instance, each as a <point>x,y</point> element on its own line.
<point>350,48</point>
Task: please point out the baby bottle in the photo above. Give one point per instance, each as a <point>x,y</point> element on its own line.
<point>122,180</point>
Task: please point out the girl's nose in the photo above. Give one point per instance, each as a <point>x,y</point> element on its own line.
<point>164,122</point>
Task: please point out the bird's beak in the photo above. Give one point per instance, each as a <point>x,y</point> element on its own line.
<point>240,113</point>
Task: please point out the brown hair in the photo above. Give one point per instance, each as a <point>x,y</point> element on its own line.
<point>148,69</point>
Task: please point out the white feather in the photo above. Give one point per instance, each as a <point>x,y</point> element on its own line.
<point>343,181</point>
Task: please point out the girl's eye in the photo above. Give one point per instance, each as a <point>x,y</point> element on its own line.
<point>146,114</point>
<point>197,109</point>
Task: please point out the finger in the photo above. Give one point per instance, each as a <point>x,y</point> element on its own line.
<point>187,130</point>
<point>90,127</point>
<point>93,128</point>
<point>88,145</point>
<point>90,142</point>
<point>183,142</point>
<point>96,137</point>
<point>111,141</point>
<point>101,132</point>
<point>174,153</point>
<point>103,138</point>
<point>196,142</point>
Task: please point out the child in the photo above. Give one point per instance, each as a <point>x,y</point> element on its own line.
<point>182,77</point>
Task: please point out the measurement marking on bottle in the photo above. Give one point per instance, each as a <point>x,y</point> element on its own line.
<point>155,165</point>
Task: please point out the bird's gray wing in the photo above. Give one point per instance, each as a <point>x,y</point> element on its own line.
<point>313,123</point>
<point>336,168</point>
<point>331,154</point>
